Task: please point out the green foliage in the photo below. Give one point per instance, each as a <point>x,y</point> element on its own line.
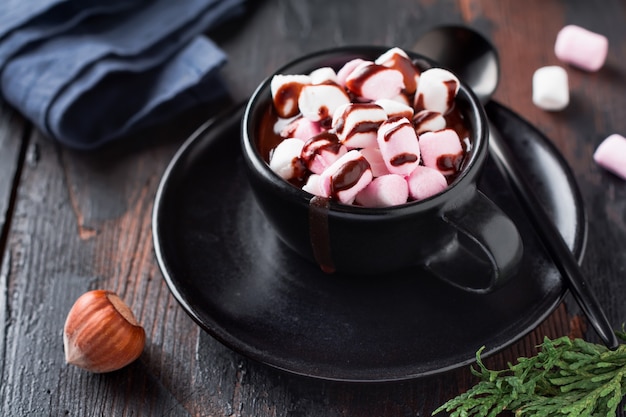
<point>567,378</point>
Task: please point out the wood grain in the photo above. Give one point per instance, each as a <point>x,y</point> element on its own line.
<point>78,221</point>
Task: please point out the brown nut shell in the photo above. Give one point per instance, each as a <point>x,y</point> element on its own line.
<point>101,333</point>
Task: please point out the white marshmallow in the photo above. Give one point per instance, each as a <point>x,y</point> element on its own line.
<point>356,124</point>
<point>385,191</point>
<point>550,88</point>
<point>436,90</point>
<point>428,121</point>
<point>286,91</point>
<point>313,185</point>
<point>581,48</point>
<point>395,108</point>
<point>323,75</point>
<point>611,155</point>
<point>285,158</point>
<point>319,102</point>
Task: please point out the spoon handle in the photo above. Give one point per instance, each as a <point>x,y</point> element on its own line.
<point>552,239</point>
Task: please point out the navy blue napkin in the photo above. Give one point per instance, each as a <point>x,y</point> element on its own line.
<point>87,72</point>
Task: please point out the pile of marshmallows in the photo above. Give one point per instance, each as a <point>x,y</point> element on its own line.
<point>355,137</point>
<point>585,50</point>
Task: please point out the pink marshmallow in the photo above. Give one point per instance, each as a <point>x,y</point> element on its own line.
<point>286,91</point>
<point>385,191</point>
<point>285,158</point>
<point>611,155</point>
<point>425,182</point>
<point>319,102</point>
<point>320,151</point>
<point>397,59</point>
<point>356,124</point>
<point>436,90</point>
<point>441,150</point>
<point>399,146</point>
<point>581,48</point>
<point>301,128</point>
<point>428,121</point>
<point>347,68</point>
<point>346,177</point>
<point>376,161</point>
<point>371,82</point>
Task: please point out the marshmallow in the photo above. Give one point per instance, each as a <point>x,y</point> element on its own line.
<point>551,88</point>
<point>320,151</point>
<point>428,121</point>
<point>436,90</point>
<point>319,102</point>
<point>301,128</point>
<point>356,124</point>
<point>425,182</point>
<point>313,185</point>
<point>371,82</point>
<point>397,59</point>
<point>285,158</point>
<point>376,161</point>
<point>323,75</point>
<point>286,91</point>
<point>442,150</point>
<point>385,191</point>
<point>395,108</point>
<point>611,155</point>
<point>347,69</point>
<point>581,48</point>
<point>346,177</point>
<point>399,146</point>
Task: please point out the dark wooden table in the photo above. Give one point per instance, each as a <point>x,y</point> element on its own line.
<point>74,221</point>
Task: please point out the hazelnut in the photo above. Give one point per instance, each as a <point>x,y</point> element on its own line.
<point>101,333</point>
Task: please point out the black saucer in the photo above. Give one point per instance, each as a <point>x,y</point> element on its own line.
<point>232,275</point>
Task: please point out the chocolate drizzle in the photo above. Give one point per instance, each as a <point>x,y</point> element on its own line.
<point>319,233</point>
<point>355,83</point>
<point>348,175</point>
<point>403,158</point>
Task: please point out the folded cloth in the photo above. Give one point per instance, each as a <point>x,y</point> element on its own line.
<point>87,72</point>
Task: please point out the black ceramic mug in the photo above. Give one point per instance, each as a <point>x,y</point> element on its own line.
<point>458,234</point>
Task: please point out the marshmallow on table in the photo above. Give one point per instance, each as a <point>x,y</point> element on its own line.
<point>436,90</point>
<point>285,158</point>
<point>387,190</point>
<point>399,145</point>
<point>371,82</point>
<point>356,124</point>
<point>319,102</point>
<point>611,155</point>
<point>320,151</point>
<point>345,177</point>
<point>551,88</point>
<point>286,91</point>
<point>425,182</point>
<point>581,48</point>
<point>441,150</point>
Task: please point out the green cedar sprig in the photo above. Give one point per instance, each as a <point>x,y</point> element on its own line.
<point>572,378</point>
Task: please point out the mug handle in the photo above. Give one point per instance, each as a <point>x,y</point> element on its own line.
<point>486,251</point>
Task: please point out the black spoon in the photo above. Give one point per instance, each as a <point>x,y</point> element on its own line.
<point>475,60</point>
